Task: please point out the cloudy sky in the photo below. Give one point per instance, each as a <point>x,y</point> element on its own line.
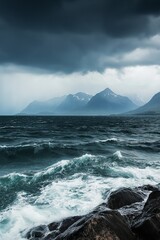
<point>50,48</point>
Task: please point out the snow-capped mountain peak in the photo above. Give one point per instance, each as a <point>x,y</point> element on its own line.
<point>108,93</point>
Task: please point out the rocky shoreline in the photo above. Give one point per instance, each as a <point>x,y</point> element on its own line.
<point>127,214</point>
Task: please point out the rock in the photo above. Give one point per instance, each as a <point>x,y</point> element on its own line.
<point>60,227</point>
<point>131,212</point>
<point>147,224</point>
<point>109,224</point>
<point>152,200</point>
<point>104,225</point>
<point>101,224</point>
<point>37,232</point>
<point>123,197</point>
<point>148,188</point>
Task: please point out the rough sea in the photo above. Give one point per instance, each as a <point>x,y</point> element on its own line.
<point>55,167</point>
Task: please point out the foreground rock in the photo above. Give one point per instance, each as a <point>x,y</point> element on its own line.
<point>134,219</point>
<point>98,225</point>
<point>147,224</point>
<point>109,225</point>
<point>37,232</point>
<point>123,197</point>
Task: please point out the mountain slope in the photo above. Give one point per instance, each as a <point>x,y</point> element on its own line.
<point>152,107</point>
<point>107,102</point>
<point>103,103</point>
<point>70,104</point>
<point>46,107</point>
<point>74,103</point>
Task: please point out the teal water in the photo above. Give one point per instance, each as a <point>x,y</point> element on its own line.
<point>55,167</point>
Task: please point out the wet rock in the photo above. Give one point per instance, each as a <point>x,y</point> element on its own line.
<point>123,197</point>
<point>64,224</point>
<point>147,224</point>
<point>131,212</point>
<point>57,228</point>
<point>152,201</point>
<point>148,188</point>
<point>37,232</point>
<point>101,224</point>
<point>105,225</point>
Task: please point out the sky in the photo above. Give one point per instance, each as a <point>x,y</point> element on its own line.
<point>52,48</point>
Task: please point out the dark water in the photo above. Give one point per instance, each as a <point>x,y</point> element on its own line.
<point>54,167</point>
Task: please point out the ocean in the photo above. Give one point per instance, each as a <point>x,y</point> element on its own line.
<point>55,167</point>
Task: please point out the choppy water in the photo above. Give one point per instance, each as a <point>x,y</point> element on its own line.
<point>54,167</point>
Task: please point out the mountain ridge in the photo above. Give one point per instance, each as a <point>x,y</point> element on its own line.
<point>105,102</point>
<point>108,102</point>
<point>151,107</point>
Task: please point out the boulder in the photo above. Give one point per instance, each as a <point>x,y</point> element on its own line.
<point>123,197</point>
<point>101,224</point>
<point>147,224</point>
<point>52,230</point>
<point>104,225</point>
<point>133,220</point>
<point>37,232</point>
<point>148,188</point>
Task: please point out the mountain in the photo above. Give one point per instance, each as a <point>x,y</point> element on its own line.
<point>70,104</point>
<point>152,107</point>
<point>74,103</point>
<point>103,103</point>
<point>108,102</point>
<point>46,107</point>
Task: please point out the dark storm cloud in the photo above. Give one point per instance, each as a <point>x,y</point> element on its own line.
<point>74,35</point>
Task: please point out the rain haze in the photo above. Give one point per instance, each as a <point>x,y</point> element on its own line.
<point>52,48</point>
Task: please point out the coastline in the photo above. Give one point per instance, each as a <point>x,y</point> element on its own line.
<point>127,214</point>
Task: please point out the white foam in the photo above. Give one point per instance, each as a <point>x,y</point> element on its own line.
<point>51,169</point>
<point>107,140</point>
<point>56,201</point>
<point>19,217</point>
<point>14,175</point>
<point>3,146</point>
<point>85,156</point>
<point>118,154</point>
<point>134,176</point>
<point>74,195</point>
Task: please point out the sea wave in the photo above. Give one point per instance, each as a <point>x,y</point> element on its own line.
<point>67,197</point>
<point>51,150</point>
<point>31,151</point>
<point>33,182</point>
<point>113,139</point>
<point>112,167</point>
<point>48,150</point>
